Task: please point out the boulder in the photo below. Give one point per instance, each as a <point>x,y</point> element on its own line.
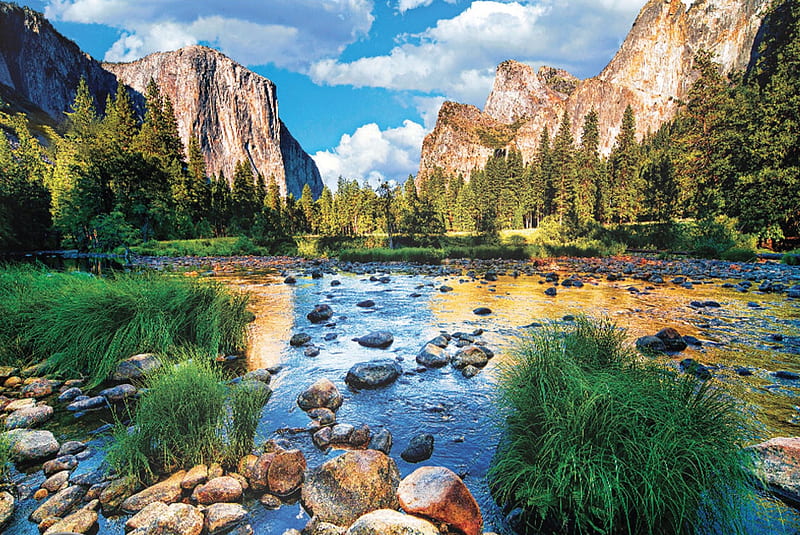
<point>218,490</point>
<point>259,472</point>
<point>650,344</point>
<point>118,393</point>
<point>285,474</point>
<point>299,339</point>
<point>322,415</point>
<point>221,517</point>
<point>346,487</point>
<point>6,507</point>
<point>367,303</point>
<point>551,292</point>
<point>322,438</point>
<point>29,445</point>
<point>37,389</point>
<point>261,375</point>
<point>80,521</point>
<point>323,393</point>
<point>472,355</point>
<point>167,491</point>
<point>692,367</point>
<point>18,404</point>
<point>135,367</point>
<point>175,519</point>
<point>69,394</point>
<point>71,447</point>
<point>373,374</point>
<point>440,341</point>
<point>377,339</point>
<point>482,311</point>
<point>29,417</point>
<point>778,461</point>
<point>113,495</point>
<point>419,449</point>
<point>65,462</point>
<point>59,503</point>
<point>147,515</point>
<point>672,339</point>
<point>391,522</point>
<point>382,441</point>
<point>438,493</point>
<point>196,475</point>
<point>82,403</point>
<point>432,356</point>
<point>56,482</point>
<point>320,314</point>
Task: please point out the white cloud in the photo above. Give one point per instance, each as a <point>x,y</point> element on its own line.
<point>373,154</point>
<point>405,5</point>
<point>287,33</point>
<point>457,57</point>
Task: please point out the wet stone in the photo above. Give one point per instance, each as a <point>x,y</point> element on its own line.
<point>65,462</point>
<point>382,441</point>
<point>373,374</point>
<point>299,339</point>
<point>135,367</point>
<point>367,303</point>
<point>29,417</point>
<point>378,339</point>
<point>94,403</point>
<point>311,352</point>
<point>37,389</point>
<point>692,367</point>
<point>118,393</point>
<point>320,314</point>
<point>322,393</point>
<point>70,394</point>
<point>419,449</point>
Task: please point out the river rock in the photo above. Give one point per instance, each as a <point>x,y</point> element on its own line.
<point>285,474</point>
<point>778,461</point>
<point>438,493</point>
<point>56,482</point>
<point>167,491</point>
<point>340,433</point>
<point>28,445</point>
<point>87,404</point>
<point>37,389</point>
<point>378,340</point>
<point>323,393</point>
<point>70,394</point>
<point>382,441</point>
<point>59,503</point>
<point>373,374</point>
<point>18,404</point>
<point>65,462</point>
<point>311,352</point>
<point>391,522</point>
<point>71,447</point>
<point>672,339</point>
<point>551,292</point>
<point>6,507</point>
<point>322,415</point>
<point>218,490</point>
<point>117,490</point>
<point>652,344</point>
<point>299,339</point>
<point>221,517</point>
<point>419,449</point>
<point>482,311</point>
<point>432,356</point>
<point>80,521</point>
<point>692,367</point>
<point>322,438</point>
<point>262,375</point>
<point>367,303</point>
<point>787,375</point>
<point>320,314</point>
<point>472,355</point>
<point>135,367</point>
<point>359,438</point>
<point>29,417</point>
<point>440,341</point>
<point>174,519</point>
<point>258,473</point>
<point>196,475</point>
<point>118,393</point>
<point>470,371</point>
<point>289,280</point>
<point>342,489</point>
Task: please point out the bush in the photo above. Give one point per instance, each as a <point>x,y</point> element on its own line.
<point>597,442</point>
<point>419,255</point>
<point>740,254</point>
<point>186,417</point>
<point>83,325</point>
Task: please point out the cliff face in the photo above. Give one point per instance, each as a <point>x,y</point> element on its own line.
<point>43,67</point>
<point>651,72</point>
<point>232,110</point>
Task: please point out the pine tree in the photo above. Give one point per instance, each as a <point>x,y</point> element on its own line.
<point>82,121</point>
<point>588,171</point>
<point>542,177</point>
<point>625,188</point>
<point>243,198</point>
<point>327,219</point>
<point>220,209</point>
<point>307,208</point>
<point>564,175</point>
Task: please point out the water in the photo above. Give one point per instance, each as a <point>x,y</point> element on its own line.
<point>459,412</point>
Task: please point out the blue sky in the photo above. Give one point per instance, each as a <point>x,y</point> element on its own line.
<point>359,81</point>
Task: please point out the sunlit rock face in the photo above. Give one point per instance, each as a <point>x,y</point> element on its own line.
<point>230,109</point>
<point>651,72</point>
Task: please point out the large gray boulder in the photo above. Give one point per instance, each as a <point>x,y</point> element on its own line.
<point>28,445</point>
<point>373,374</point>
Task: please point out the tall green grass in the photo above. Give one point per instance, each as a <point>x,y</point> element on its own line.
<point>5,456</point>
<point>84,325</point>
<point>187,416</point>
<point>421,255</point>
<point>234,246</point>
<point>596,441</point>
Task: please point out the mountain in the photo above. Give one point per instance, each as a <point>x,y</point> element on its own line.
<point>232,110</point>
<point>651,72</point>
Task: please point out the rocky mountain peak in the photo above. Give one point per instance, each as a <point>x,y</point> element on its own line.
<point>651,72</point>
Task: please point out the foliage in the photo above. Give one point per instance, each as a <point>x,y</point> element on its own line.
<point>246,400</point>
<point>5,456</point>
<point>83,325</point>
<point>236,246</point>
<point>404,254</point>
<point>596,441</point>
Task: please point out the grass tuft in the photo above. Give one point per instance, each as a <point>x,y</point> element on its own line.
<point>83,325</point>
<point>598,442</point>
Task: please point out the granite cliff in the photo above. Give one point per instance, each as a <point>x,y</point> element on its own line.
<point>651,72</point>
<point>232,110</point>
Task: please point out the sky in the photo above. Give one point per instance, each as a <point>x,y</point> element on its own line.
<point>360,82</point>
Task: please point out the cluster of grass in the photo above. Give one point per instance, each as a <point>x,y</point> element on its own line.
<point>5,456</point>
<point>421,255</point>
<point>791,258</point>
<point>84,325</point>
<point>241,246</point>
<point>596,441</point>
<point>187,416</point>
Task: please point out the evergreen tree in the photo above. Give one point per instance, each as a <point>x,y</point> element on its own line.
<point>327,220</point>
<point>307,208</point>
<point>625,187</point>
<point>243,198</point>
<point>220,208</point>
<point>588,172</point>
<point>542,177</point>
<point>563,169</point>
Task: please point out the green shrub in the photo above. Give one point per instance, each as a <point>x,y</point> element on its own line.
<point>419,255</point>
<point>488,252</point>
<point>83,325</point>
<point>792,258</point>
<point>740,254</point>
<point>187,416</point>
<point>596,441</point>
<point>247,399</point>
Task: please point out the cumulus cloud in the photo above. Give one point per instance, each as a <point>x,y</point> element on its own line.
<point>373,154</point>
<point>287,33</point>
<point>405,5</point>
<point>457,57</point>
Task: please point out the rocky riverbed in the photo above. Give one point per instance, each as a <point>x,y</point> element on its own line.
<point>401,361</point>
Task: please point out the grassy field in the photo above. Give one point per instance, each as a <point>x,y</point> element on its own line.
<point>83,325</point>
<point>598,441</point>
